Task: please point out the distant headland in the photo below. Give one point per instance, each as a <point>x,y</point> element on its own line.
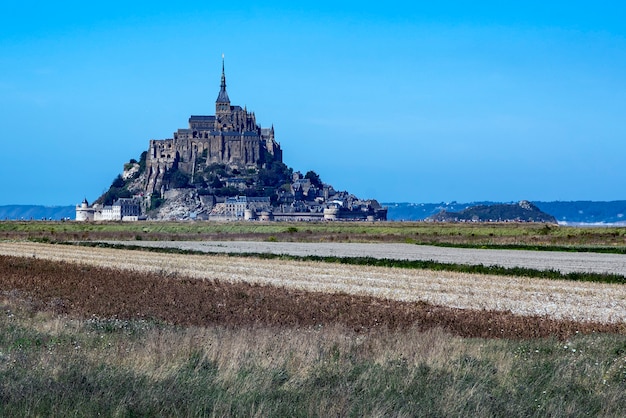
<point>524,211</point>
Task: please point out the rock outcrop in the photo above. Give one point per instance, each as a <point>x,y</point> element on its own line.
<point>523,211</point>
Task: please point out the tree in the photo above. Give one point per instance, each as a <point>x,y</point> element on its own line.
<point>227,191</point>
<point>275,174</point>
<point>118,182</point>
<point>314,178</point>
<point>216,183</point>
<point>112,195</point>
<point>142,161</point>
<point>179,180</point>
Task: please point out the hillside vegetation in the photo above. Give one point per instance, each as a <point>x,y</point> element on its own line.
<point>571,211</point>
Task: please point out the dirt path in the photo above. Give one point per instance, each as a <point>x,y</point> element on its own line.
<point>540,260</point>
<point>558,299</point>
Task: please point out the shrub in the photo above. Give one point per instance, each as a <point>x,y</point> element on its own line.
<point>178,179</point>
<point>118,182</point>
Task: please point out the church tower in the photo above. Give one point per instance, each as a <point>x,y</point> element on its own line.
<point>223,116</point>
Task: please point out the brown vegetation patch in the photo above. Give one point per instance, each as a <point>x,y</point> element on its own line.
<point>84,291</point>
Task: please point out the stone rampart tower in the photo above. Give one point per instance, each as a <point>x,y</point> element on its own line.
<point>230,137</point>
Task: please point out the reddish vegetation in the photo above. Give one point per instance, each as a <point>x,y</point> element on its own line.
<point>83,291</point>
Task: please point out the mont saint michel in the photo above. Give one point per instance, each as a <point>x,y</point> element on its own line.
<point>222,167</point>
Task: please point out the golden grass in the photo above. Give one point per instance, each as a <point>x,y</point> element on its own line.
<point>579,301</point>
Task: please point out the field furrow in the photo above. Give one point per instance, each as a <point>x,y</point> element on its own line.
<point>580,301</point>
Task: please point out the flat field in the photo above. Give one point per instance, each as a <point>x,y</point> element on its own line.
<point>87,330</point>
<point>497,234</point>
<point>564,262</point>
<point>578,301</point>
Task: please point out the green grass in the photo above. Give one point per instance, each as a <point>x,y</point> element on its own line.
<point>496,235</point>
<point>413,230</point>
<point>57,367</point>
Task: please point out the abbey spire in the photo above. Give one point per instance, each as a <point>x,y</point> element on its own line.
<point>223,102</point>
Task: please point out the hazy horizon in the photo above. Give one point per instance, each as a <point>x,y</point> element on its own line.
<point>402,103</point>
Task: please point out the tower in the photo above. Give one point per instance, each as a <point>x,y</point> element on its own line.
<point>223,118</point>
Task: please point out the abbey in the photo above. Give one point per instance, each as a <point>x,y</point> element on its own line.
<point>230,137</point>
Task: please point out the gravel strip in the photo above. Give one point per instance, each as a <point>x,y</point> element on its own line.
<point>564,262</point>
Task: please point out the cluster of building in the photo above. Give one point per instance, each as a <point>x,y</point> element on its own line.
<point>245,208</point>
<point>260,208</point>
<point>123,209</point>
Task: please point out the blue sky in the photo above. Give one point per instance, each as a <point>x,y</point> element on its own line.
<point>412,102</point>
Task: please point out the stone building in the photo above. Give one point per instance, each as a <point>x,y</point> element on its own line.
<point>231,136</point>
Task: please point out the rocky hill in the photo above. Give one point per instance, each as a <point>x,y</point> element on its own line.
<point>524,211</point>
<point>586,212</point>
<point>214,189</point>
<point>223,166</point>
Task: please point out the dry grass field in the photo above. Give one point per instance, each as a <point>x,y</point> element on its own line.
<point>564,262</point>
<point>90,331</point>
<point>580,301</point>
<point>222,291</point>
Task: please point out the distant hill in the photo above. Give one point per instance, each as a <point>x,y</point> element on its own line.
<point>523,211</point>
<point>420,211</point>
<point>575,212</point>
<point>36,212</point>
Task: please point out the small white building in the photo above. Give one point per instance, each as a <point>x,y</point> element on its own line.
<point>123,209</point>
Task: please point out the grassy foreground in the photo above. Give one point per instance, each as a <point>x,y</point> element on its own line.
<point>84,341</point>
<point>57,366</point>
<point>76,347</point>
